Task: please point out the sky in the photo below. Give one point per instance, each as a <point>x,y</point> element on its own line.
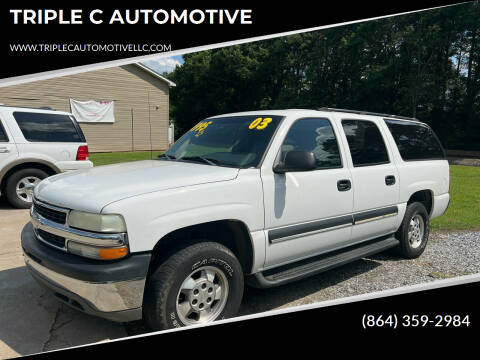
<point>164,64</point>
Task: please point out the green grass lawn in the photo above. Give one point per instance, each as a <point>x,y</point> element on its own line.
<point>118,157</point>
<point>462,214</point>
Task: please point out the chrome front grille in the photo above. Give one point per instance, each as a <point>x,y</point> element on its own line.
<point>50,213</point>
<point>56,217</point>
<point>51,228</point>
<point>51,239</point>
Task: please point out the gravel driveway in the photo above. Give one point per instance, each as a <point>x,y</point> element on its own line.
<point>448,254</point>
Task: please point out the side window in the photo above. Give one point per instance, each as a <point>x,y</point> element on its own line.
<point>44,127</point>
<point>415,141</point>
<point>315,135</point>
<point>3,134</point>
<point>365,142</point>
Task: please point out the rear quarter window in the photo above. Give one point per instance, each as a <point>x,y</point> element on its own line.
<point>3,134</point>
<point>44,127</point>
<point>415,141</point>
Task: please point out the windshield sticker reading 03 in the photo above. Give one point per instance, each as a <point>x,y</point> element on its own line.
<point>260,123</point>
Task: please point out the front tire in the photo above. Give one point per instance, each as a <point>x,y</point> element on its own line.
<point>17,186</point>
<point>198,284</point>
<point>414,231</point>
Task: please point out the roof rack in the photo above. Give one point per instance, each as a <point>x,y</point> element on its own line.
<point>29,107</point>
<point>367,113</point>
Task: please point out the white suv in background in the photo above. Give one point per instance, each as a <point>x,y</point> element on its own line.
<point>34,144</point>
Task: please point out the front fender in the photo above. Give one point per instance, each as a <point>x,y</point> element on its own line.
<point>149,217</point>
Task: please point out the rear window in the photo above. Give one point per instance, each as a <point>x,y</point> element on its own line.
<point>3,135</point>
<point>42,127</point>
<point>415,141</point>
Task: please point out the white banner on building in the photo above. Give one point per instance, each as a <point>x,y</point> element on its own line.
<point>92,111</point>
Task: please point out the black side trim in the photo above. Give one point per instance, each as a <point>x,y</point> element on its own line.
<point>284,232</point>
<point>391,210</point>
<point>132,267</point>
<point>309,227</point>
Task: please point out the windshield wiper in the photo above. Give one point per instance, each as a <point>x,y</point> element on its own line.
<point>201,158</point>
<point>165,156</point>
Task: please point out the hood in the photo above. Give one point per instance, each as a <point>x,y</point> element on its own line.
<point>92,189</point>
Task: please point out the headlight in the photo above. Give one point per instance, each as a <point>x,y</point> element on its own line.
<point>95,252</point>
<point>97,222</point>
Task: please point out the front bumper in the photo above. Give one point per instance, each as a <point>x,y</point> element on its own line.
<point>112,290</point>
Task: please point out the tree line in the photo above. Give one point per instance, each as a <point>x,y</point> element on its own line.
<point>424,65</point>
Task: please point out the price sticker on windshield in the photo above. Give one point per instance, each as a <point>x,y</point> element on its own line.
<point>260,123</point>
<point>200,127</point>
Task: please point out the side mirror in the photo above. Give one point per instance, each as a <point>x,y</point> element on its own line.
<point>296,161</point>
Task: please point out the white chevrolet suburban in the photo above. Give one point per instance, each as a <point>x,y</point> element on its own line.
<point>266,197</point>
<point>34,144</point>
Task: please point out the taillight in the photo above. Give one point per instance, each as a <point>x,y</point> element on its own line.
<point>82,152</point>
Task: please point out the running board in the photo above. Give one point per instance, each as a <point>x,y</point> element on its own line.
<point>317,264</point>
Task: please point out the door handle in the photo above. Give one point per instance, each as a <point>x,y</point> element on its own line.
<point>344,185</point>
<point>4,150</point>
<point>389,180</point>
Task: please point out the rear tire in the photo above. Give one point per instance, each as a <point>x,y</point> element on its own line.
<point>414,231</point>
<point>198,284</point>
<point>15,191</point>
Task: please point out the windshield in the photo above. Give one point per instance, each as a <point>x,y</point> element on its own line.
<point>236,141</point>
